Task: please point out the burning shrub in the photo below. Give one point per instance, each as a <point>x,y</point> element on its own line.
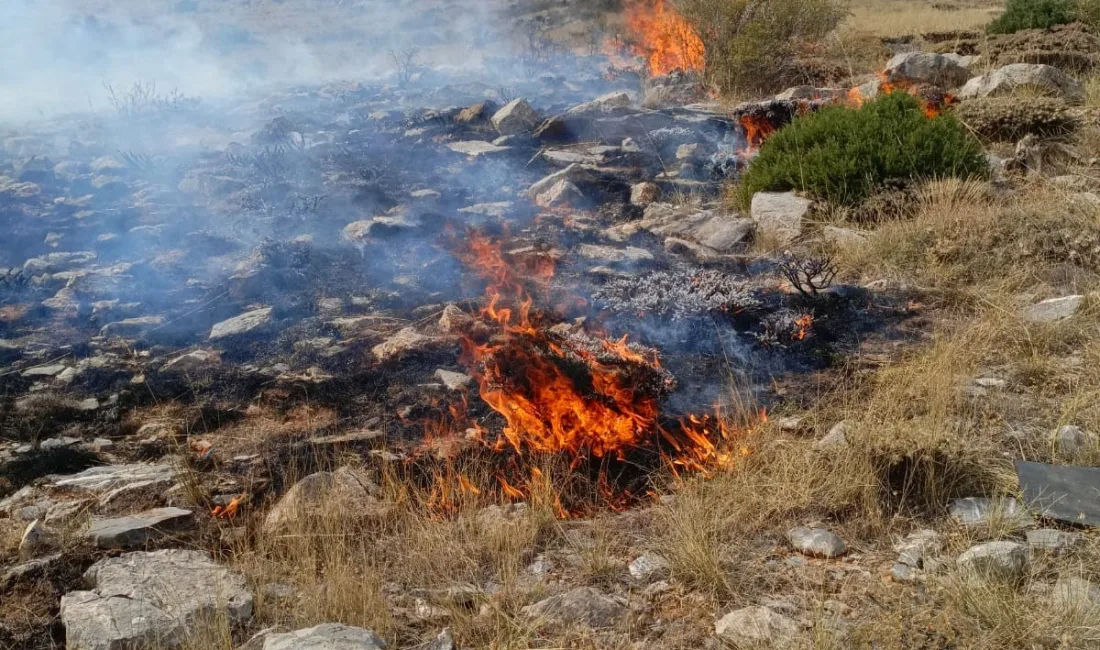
<point>751,44</point>
<point>1032,14</point>
<point>841,155</point>
<point>1011,118</point>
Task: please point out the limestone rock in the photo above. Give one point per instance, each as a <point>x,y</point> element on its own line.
<point>193,361</point>
<point>612,255</point>
<point>926,67</point>
<point>516,116</point>
<point>405,341</point>
<point>757,626</point>
<point>585,605</point>
<point>649,566</point>
<point>995,560</point>
<point>779,215</point>
<point>1052,310</point>
<point>982,511</point>
<point>246,323</point>
<point>561,194</point>
<point>575,174</point>
<point>153,599</point>
<point>343,492</point>
<point>1053,541</point>
<point>476,148</point>
<point>453,380</point>
<point>645,193</point>
<point>1072,440</point>
<point>1011,77</point>
<point>327,636</point>
<point>125,532</point>
<point>816,542</point>
<point>836,438</point>
<point>610,103</point>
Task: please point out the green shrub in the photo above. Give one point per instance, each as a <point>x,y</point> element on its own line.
<point>1032,14</point>
<point>754,45</point>
<point>1088,12</point>
<point>841,154</point>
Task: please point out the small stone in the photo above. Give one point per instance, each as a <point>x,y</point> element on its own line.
<point>246,323</point>
<point>35,538</point>
<point>584,605</point>
<point>836,438</point>
<point>561,194</point>
<point>1053,541</point>
<point>1072,440</point>
<point>1053,309</point>
<point>327,636</point>
<point>132,530</point>
<point>904,573</point>
<point>645,193</point>
<point>990,382</point>
<point>995,560</point>
<point>648,567</point>
<point>816,542</point>
<point>405,341</point>
<point>982,511</point>
<point>453,380</point>
<point>756,626</point>
<point>914,549</point>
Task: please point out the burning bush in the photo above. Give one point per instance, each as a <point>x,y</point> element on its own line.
<point>1032,14</point>
<point>750,44</point>
<point>841,155</point>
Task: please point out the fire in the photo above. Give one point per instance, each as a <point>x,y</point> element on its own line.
<point>802,326</point>
<point>664,38</point>
<point>229,510</point>
<point>757,129</point>
<point>930,106</point>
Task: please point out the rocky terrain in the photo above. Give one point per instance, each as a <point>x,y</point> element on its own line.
<point>487,358</point>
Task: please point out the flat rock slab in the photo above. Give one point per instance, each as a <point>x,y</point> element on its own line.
<point>779,215</point>
<point>1061,492</point>
<point>1052,310</point>
<point>109,477</point>
<point>984,511</point>
<point>758,627</point>
<point>151,600</point>
<point>125,532</point>
<point>995,560</point>
<point>584,605</point>
<point>327,636</point>
<point>246,323</point>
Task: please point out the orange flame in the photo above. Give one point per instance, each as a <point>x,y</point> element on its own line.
<point>757,129</point>
<point>229,510</point>
<point>802,327</point>
<point>664,38</point>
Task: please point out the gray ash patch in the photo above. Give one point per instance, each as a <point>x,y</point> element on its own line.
<point>678,293</point>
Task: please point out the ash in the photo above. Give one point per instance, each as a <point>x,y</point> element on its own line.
<point>679,293</point>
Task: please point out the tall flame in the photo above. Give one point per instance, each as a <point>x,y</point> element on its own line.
<point>664,37</point>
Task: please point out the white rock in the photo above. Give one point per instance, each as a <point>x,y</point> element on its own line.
<point>1054,541</point>
<point>649,566</point>
<point>453,380</point>
<point>1053,309</point>
<point>131,530</point>
<point>247,322</point>
<point>982,511</point>
<point>327,636</point>
<point>157,599</point>
<point>343,492</point>
<point>585,605</point>
<point>1022,75</point>
<point>645,193</point>
<point>816,542</point>
<point>561,194</point>
<point>995,560</point>
<point>1072,440</point>
<point>516,116</point>
<point>475,148</point>
<point>753,627</point>
<point>779,215</point>
<point>612,255</point>
<point>836,438</point>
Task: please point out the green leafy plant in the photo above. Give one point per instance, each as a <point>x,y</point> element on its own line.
<point>842,155</point>
<point>1032,14</point>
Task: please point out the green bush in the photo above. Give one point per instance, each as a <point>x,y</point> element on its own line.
<point>1032,14</point>
<point>754,45</point>
<point>1088,12</point>
<point>842,155</point>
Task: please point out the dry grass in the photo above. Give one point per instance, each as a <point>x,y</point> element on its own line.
<point>900,18</point>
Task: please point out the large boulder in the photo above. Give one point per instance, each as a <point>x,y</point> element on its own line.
<point>151,600</point>
<point>925,67</point>
<point>516,116</point>
<point>327,636</point>
<point>1048,79</point>
<point>342,493</point>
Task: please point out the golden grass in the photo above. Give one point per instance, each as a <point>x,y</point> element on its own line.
<point>893,18</point>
